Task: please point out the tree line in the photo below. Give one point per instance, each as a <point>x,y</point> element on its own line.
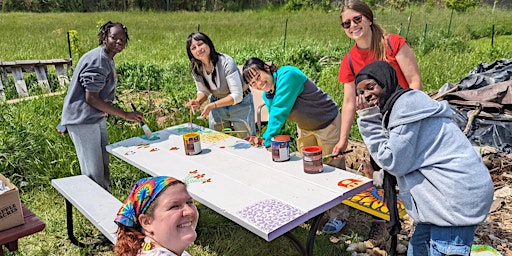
<point>222,5</point>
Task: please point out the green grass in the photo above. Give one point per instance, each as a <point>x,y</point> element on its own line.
<point>32,153</point>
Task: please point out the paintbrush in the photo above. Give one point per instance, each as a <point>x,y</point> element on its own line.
<point>359,169</point>
<point>145,127</point>
<point>339,154</point>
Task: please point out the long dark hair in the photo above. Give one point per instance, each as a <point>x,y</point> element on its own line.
<point>196,66</point>
<point>105,29</point>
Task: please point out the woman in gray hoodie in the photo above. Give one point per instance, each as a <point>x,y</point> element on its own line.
<point>443,182</point>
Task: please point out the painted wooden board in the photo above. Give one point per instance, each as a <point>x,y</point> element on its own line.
<point>240,181</point>
<point>372,201</point>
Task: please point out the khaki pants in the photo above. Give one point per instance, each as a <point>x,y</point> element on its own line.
<point>325,138</point>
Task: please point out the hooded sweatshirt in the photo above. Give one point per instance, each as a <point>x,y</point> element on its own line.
<point>441,177</point>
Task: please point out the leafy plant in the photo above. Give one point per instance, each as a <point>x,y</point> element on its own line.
<point>140,76</point>
<point>75,44</point>
<point>461,5</point>
<point>399,5</point>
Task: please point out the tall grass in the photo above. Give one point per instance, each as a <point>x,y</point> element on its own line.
<point>32,153</point>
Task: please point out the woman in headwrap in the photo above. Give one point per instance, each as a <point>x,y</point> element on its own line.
<point>157,218</point>
<point>444,185</point>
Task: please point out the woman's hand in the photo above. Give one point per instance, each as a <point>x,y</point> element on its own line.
<point>193,104</point>
<point>362,102</point>
<point>134,116</point>
<point>366,168</point>
<point>339,147</point>
<point>207,108</point>
<point>255,141</point>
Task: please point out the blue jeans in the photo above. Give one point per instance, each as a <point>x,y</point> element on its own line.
<point>432,240</point>
<point>239,116</point>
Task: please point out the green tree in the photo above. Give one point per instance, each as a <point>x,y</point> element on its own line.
<point>461,5</point>
<point>399,5</point>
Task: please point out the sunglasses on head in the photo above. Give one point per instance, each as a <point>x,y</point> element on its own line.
<point>357,19</point>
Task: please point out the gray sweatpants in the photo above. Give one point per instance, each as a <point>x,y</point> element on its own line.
<point>90,141</point>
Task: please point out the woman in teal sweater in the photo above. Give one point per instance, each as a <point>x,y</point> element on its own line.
<point>290,95</point>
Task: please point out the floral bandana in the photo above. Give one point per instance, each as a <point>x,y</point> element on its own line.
<point>142,195</point>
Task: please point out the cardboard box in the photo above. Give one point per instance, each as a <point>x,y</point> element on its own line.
<point>11,214</point>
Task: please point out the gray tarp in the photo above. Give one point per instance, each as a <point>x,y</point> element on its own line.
<point>485,94</point>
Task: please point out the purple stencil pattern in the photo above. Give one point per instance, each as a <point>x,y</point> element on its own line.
<point>269,215</point>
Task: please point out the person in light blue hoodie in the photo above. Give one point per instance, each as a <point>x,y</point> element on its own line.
<point>443,182</point>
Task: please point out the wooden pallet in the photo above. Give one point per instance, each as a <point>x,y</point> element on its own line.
<point>18,67</point>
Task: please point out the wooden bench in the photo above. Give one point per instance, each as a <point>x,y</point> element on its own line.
<point>40,67</point>
<point>9,237</point>
<point>93,201</point>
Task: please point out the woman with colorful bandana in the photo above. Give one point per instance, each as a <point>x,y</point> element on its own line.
<point>158,218</point>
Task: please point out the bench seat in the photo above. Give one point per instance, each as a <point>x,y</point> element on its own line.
<point>94,202</point>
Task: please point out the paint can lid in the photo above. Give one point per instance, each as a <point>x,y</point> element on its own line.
<point>312,149</point>
<point>281,138</point>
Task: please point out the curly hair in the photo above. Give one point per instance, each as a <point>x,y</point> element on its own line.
<point>105,29</point>
<point>129,241</point>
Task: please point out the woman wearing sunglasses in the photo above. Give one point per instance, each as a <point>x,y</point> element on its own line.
<point>372,44</point>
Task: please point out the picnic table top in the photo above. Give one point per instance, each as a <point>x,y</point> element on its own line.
<point>240,181</point>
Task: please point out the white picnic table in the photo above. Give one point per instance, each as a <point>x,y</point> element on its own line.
<point>241,182</point>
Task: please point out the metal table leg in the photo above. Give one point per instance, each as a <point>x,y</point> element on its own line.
<point>308,250</point>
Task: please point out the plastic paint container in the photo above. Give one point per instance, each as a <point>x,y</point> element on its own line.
<point>280,146</point>
<point>312,159</point>
<point>227,131</point>
<point>192,143</point>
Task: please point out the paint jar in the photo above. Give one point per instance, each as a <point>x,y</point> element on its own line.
<point>280,146</point>
<point>312,159</point>
<point>192,143</point>
<point>227,131</point>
